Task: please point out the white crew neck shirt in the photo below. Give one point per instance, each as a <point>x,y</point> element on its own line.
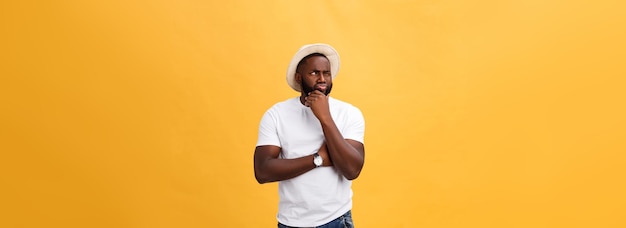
<point>322,194</point>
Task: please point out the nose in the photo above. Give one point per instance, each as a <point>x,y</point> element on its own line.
<point>322,78</point>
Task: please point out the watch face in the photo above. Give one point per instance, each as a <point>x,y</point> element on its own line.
<point>317,160</point>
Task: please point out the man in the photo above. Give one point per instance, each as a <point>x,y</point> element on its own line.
<point>312,145</point>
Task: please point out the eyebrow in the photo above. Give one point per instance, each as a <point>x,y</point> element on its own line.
<point>313,70</point>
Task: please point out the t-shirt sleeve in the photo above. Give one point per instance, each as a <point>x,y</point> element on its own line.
<point>355,129</point>
<point>268,134</point>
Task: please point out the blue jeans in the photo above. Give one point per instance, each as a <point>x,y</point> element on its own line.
<point>344,221</point>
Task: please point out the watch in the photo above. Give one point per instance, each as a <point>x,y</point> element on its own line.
<point>317,160</point>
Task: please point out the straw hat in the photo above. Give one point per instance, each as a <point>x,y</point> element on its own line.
<point>324,49</point>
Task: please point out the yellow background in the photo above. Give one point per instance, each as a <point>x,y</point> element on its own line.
<point>478,113</point>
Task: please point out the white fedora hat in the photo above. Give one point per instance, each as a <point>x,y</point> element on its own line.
<point>324,49</point>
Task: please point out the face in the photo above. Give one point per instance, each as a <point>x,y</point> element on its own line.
<point>315,75</point>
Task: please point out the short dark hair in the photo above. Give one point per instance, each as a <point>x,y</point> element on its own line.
<point>307,57</point>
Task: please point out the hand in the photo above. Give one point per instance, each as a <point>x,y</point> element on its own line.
<point>318,102</point>
<point>323,152</point>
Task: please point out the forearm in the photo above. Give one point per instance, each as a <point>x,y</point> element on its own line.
<point>346,158</point>
<point>275,169</point>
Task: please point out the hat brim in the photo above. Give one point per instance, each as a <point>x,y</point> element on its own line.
<point>324,49</point>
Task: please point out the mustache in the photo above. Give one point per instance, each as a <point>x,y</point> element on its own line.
<point>306,88</point>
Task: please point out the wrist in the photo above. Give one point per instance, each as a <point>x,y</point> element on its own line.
<point>317,160</point>
<point>325,119</point>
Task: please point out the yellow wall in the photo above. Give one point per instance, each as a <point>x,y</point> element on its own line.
<point>478,113</point>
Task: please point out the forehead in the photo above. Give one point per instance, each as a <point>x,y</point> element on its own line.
<point>317,62</point>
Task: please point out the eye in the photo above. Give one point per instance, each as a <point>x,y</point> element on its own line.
<point>314,73</point>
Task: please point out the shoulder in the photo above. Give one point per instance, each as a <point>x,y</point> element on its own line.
<point>285,105</point>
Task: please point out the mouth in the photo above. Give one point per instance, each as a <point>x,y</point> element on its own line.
<point>321,87</point>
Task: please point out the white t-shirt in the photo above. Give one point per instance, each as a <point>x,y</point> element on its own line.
<point>322,194</point>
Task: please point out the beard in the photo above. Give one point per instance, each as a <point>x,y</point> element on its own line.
<point>306,89</point>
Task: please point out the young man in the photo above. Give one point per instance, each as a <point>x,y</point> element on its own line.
<point>312,145</point>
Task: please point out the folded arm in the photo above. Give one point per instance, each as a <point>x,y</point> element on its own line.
<point>348,155</point>
<point>269,168</point>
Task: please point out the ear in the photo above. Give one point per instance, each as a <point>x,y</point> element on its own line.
<point>298,78</point>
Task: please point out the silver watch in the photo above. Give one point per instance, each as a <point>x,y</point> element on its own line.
<point>317,160</point>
